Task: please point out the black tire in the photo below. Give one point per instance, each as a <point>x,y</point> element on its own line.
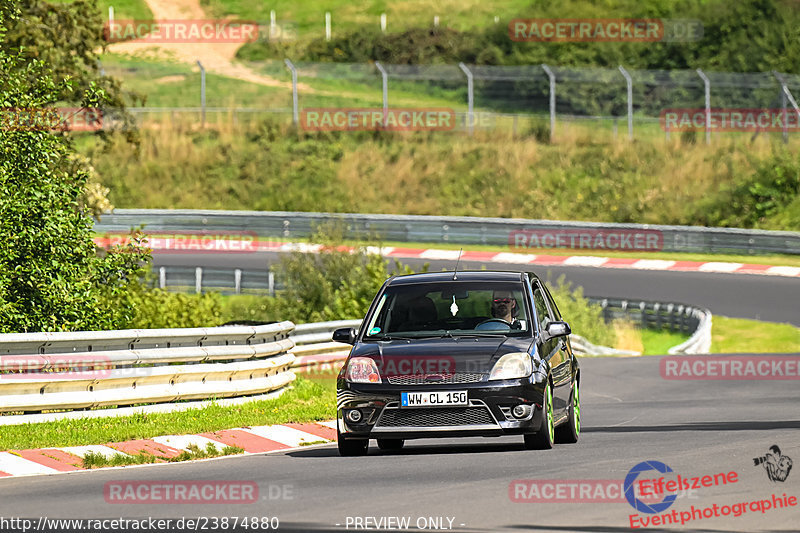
<point>351,447</point>
<point>391,444</point>
<point>544,438</point>
<point>569,432</point>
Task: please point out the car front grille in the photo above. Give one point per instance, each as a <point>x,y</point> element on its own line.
<point>474,415</point>
<point>435,379</point>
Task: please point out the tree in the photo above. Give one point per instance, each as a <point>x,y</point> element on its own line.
<point>67,37</point>
<point>51,275</point>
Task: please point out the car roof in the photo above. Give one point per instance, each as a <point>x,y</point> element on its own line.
<point>465,275</point>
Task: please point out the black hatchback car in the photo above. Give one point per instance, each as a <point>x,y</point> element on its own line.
<point>458,354</point>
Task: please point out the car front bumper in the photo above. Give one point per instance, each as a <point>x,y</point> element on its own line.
<point>488,413</point>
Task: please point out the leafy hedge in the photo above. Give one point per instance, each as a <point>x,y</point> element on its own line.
<point>742,36</point>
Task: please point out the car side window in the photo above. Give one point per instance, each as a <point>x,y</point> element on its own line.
<point>542,313</point>
<point>552,303</point>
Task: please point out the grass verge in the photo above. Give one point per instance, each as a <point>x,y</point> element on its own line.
<point>306,401</point>
<point>739,335</point>
<point>98,460</point>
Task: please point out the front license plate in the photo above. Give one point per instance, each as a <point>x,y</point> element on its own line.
<point>433,399</point>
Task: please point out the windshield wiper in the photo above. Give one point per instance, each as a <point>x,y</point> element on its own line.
<point>391,338</point>
<point>449,335</point>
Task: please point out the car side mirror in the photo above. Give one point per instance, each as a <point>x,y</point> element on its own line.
<point>555,329</point>
<point>345,335</point>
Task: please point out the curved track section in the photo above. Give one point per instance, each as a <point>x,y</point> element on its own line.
<point>769,298</point>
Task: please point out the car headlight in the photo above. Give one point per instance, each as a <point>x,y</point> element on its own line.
<point>362,370</point>
<point>512,365</point>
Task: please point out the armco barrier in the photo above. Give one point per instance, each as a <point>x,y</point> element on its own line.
<point>315,347</point>
<point>458,230</point>
<point>78,370</point>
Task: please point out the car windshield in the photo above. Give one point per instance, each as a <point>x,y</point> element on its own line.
<point>452,308</point>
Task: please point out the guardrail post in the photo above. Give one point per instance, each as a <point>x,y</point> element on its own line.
<point>198,280</point>
<point>552,78</point>
<point>642,307</point>
<point>162,277</point>
<point>237,280</point>
<point>707,84</point>
<point>295,113</point>
<point>470,100</point>
<point>385,80</point>
<point>629,82</point>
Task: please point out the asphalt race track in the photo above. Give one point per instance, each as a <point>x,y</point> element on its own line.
<point>630,415</point>
<point>770,298</point>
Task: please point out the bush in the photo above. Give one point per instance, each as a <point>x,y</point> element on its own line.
<point>332,284</point>
<point>51,276</point>
<point>585,318</point>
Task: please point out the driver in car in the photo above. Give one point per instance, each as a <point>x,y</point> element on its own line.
<point>504,306</point>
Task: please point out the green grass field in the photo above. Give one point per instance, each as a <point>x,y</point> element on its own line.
<point>123,9</point>
<point>738,335</point>
<point>308,400</point>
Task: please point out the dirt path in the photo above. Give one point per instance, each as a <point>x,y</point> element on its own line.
<point>217,58</point>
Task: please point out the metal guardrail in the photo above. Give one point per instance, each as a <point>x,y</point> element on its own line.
<point>435,229</point>
<point>314,345</point>
<point>663,315</point>
<point>82,370</point>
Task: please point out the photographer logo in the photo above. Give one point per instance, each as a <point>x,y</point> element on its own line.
<point>777,466</point>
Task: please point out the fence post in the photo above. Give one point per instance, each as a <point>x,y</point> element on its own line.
<point>552,78</point>
<point>436,21</point>
<point>327,25</point>
<point>470,97</point>
<point>198,280</point>
<point>272,24</point>
<point>785,112</point>
<point>385,78</point>
<point>202,93</point>
<point>707,84</point>
<point>383,22</point>
<point>295,112</point>
<point>629,82</point>
<point>786,94</point>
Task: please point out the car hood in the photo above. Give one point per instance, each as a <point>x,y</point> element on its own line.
<point>445,355</point>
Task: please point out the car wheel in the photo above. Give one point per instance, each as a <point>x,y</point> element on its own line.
<point>571,430</point>
<point>351,447</point>
<point>391,444</point>
<point>543,439</point>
